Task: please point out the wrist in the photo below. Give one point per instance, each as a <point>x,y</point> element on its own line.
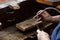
<point>56,18</point>
<point>50,19</point>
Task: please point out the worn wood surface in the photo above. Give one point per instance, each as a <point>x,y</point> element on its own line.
<point>27,24</point>
<point>30,23</point>
<point>11,33</point>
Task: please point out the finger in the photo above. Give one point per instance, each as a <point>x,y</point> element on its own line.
<point>46,13</point>
<point>45,33</point>
<point>39,19</point>
<point>43,14</point>
<point>39,12</point>
<point>38,31</point>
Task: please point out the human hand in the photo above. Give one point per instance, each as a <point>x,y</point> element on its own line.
<point>45,16</point>
<point>42,35</point>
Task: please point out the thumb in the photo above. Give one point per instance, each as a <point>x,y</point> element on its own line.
<point>39,31</point>
<point>39,12</point>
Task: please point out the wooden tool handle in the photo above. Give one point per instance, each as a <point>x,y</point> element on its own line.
<point>44,2</point>
<point>58,6</point>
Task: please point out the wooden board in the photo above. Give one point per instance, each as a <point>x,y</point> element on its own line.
<point>30,23</point>
<point>27,24</point>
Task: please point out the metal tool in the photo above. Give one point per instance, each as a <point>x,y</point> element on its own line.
<point>45,10</point>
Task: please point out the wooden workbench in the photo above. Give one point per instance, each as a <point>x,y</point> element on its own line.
<point>12,33</point>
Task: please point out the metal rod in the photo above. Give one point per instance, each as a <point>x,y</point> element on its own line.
<point>42,12</point>
<point>45,10</point>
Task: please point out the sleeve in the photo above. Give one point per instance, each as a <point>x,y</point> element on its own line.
<point>58,36</point>
<point>56,33</point>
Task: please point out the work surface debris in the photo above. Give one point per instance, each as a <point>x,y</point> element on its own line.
<point>12,33</point>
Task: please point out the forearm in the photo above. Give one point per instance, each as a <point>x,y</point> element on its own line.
<point>55,18</point>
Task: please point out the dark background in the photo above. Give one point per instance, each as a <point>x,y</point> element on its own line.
<point>27,10</point>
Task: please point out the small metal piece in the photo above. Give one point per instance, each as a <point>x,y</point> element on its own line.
<point>37,26</point>
<point>0,23</point>
<point>10,12</point>
<point>11,20</point>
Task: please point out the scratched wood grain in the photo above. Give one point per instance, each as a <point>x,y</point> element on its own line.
<point>11,33</point>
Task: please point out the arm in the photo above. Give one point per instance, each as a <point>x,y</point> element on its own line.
<point>56,18</point>
<point>47,17</point>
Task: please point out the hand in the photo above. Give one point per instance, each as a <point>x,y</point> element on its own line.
<point>44,16</point>
<point>42,35</point>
